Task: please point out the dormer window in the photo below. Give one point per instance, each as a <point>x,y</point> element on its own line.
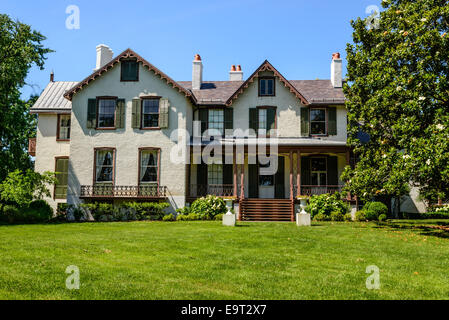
<point>266,87</point>
<point>130,70</point>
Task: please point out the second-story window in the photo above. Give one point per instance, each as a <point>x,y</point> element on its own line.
<point>150,113</point>
<point>318,121</point>
<point>63,127</point>
<point>216,122</point>
<point>106,113</point>
<point>266,87</point>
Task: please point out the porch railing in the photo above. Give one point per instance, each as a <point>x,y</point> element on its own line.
<point>150,191</point>
<point>220,190</point>
<point>307,190</point>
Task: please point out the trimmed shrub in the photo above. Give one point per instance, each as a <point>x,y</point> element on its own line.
<point>219,217</point>
<point>382,217</point>
<point>428,215</point>
<point>360,215</point>
<point>168,217</point>
<point>184,211</point>
<point>336,216</point>
<point>374,209</point>
<point>326,204</point>
<point>61,212</point>
<point>147,210</point>
<point>208,207</point>
<point>11,214</point>
<point>347,217</point>
<point>192,217</point>
<point>37,211</point>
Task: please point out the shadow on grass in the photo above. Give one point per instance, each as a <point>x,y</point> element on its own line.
<point>424,228</point>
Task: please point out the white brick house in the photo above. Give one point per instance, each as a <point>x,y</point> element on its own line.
<point>112,135</point>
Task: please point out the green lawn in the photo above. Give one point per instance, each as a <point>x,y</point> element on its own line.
<point>204,260</point>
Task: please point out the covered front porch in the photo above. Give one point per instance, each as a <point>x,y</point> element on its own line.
<point>300,171</point>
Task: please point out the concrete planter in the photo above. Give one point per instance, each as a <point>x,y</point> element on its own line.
<point>229,220</point>
<point>302,217</point>
<point>229,217</point>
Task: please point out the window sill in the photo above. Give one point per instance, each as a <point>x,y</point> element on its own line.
<point>151,128</point>
<point>62,140</point>
<point>121,80</point>
<point>110,128</point>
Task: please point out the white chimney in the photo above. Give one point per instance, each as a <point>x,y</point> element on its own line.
<point>104,55</point>
<point>197,73</point>
<point>236,74</point>
<point>336,71</point>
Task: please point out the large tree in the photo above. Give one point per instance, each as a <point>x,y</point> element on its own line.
<point>398,94</point>
<point>20,49</point>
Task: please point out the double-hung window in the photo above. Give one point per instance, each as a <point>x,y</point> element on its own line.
<point>106,112</point>
<point>150,113</point>
<point>63,127</point>
<point>104,166</point>
<point>318,121</point>
<point>216,122</point>
<point>318,171</point>
<point>215,174</point>
<point>149,166</point>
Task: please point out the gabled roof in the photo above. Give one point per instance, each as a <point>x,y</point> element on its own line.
<point>52,98</point>
<point>264,67</point>
<point>319,91</point>
<point>128,53</point>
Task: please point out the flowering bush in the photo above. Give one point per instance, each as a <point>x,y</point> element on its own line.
<point>208,207</point>
<point>326,204</point>
<point>443,209</point>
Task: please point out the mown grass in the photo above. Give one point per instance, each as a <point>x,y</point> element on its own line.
<point>204,260</point>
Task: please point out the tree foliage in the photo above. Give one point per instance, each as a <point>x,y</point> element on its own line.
<point>22,188</point>
<point>398,94</point>
<point>20,49</point>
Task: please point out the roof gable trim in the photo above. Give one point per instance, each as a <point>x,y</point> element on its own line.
<point>127,54</point>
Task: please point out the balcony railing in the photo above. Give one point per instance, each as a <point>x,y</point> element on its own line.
<point>32,147</point>
<point>109,191</point>
<point>220,190</point>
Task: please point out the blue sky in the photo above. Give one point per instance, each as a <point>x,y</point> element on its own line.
<point>297,37</point>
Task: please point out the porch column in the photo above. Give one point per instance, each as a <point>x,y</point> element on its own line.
<point>242,181</point>
<point>291,174</point>
<point>234,168</point>
<point>298,173</point>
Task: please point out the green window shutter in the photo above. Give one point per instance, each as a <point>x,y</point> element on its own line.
<point>271,119</point>
<point>279,179</point>
<point>305,122</point>
<point>229,119</point>
<point>136,114</point>
<point>253,180</point>
<point>228,174</point>
<point>332,121</point>
<point>332,171</point>
<point>305,171</point>
<point>120,114</point>
<point>254,119</point>
<point>62,168</point>
<point>91,113</point>
<point>164,107</point>
<point>201,174</point>
<point>204,117</point>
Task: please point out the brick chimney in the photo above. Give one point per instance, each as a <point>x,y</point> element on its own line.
<point>104,55</point>
<point>236,74</point>
<point>336,71</point>
<point>197,73</point>
<point>52,76</point>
